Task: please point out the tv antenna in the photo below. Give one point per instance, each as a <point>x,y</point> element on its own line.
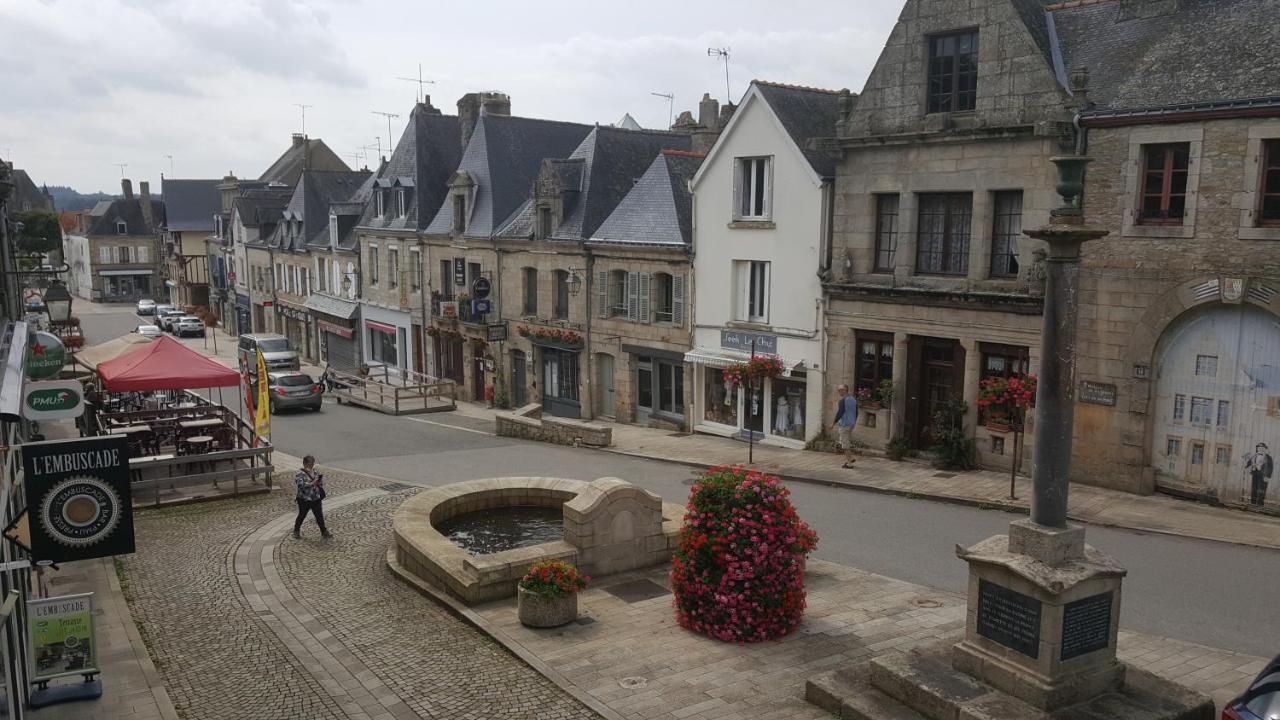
<point>366,149</point>
<point>170,164</point>
<point>378,139</point>
<point>723,53</point>
<point>671,101</point>
<point>304,116</point>
<point>422,91</point>
<point>388,116</point>
<point>122,166</point>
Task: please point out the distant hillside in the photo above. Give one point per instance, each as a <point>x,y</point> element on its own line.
<point>66,199</point>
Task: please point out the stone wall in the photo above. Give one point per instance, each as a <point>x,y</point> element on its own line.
<point>617,526</point>
<point>526,425</point>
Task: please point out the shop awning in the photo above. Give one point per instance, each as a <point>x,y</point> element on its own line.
<point>381,327</point>
<point>329,305</point>
<point>94,355</point>
<point>124,272</point>
<point>720,358</point>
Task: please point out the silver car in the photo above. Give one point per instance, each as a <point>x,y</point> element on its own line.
<point>188,325</point>
<point>166,318</point>
<point>293,390</point>
<point>146,307</point>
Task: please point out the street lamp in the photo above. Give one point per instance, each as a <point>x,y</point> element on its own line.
<point>57,302</point>
<point>347,281</point>
<point>574,282</point>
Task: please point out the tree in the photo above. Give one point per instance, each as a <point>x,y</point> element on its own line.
<point>41,233</point>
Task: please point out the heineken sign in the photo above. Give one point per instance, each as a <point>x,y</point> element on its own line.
<point>45,356</point>
<point>52,400</point>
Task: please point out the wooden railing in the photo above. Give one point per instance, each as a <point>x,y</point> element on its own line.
<point>392,390</point>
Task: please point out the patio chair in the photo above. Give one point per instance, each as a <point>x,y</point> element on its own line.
<point>225,438</point>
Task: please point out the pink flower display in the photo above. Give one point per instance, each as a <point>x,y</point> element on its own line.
<point>738,573</point>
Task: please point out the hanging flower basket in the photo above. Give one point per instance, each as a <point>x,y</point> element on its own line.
<point>754,370</point>
<point>555,337</point>
<point>1003,401</point>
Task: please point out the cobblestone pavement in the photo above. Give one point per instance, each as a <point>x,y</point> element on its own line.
<point>321,631</point>
<point>636,660</point>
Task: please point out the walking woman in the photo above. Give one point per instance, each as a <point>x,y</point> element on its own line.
<point>310,496</point>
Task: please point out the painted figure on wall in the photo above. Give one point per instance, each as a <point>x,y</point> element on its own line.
<point>1258,467</point>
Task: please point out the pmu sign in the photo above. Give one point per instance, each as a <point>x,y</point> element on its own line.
<point>52,400</point>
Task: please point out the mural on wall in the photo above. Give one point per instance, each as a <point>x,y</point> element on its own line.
<point>1218,403</point>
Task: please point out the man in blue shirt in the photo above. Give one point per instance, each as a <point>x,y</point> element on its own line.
<point>846,420</point>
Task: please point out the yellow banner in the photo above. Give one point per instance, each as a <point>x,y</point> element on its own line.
<point>262,419</point>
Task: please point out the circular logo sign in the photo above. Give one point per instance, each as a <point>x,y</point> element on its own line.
<point>45,355</point>
<point>480,288</point>
<point>80,511</point>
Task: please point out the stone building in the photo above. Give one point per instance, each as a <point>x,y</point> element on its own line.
<point>490,185</point>
<point>1178,381</point>
<point>333,302</point>
<point>305,221</point>
<point>112,250</point>
<point>26,195</point>
<point>255,212</point>
<point>944,159</point>
<point>388,266</point>
<point>190,210</point>
<point>762,235</point>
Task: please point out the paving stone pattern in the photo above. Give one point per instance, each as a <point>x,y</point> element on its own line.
<point>232,639</point>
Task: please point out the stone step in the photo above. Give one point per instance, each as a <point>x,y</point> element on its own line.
<point>875,705</point>
<point>923,680</point>
<point>829,689</point>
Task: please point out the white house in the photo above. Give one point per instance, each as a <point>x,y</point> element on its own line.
<point>762,202</point>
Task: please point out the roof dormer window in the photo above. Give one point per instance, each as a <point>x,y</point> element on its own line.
<point>122,228</point>
<point>459,212</point>
<point>953,72</point>
<point>380,203</point>
<point>402,201</point>
<point>544,228</point>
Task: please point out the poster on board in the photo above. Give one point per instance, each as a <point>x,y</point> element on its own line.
<point>60,630</point>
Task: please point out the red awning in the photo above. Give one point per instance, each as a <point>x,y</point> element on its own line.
<point>380,327</point>
<point>165,364</point>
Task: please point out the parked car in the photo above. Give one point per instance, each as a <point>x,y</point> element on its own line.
<point>277,352</point>
<point>293,390</point>
<point>150,331</point>
<point>1262,700</point>
<point>163,308</point>
<point>165,320</point>
<point>188,325</point>
<point>146,307</point>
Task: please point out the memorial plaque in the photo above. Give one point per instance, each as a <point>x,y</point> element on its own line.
<point>1097,393</point>
<point>1086,625</point>
<point>1009,618</point>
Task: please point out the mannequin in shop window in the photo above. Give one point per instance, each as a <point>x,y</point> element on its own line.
<point>782,417</point>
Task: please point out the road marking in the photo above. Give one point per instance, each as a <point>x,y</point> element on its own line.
<point>451,427</point>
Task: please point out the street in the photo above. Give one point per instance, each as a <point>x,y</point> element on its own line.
<point>1212,593</point>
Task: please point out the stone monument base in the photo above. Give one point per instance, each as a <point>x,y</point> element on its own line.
<point>923,684</point>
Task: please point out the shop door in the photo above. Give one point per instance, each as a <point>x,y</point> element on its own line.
<point>419,356</point>
<point>519,381</point>
<point>477,379</point>
<point>607,400</point>
<point>560,383</point>
<point>342,352</point>
<point>935,369</point>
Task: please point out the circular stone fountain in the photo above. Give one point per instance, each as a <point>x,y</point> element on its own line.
<point>610,526</point>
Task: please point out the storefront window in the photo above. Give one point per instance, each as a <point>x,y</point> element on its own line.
<point>659,386</point>
<point>719,399</point>
<point>560,374</point>
<point>382,346</point>
<point>788,408</point>
<point>875,359</point>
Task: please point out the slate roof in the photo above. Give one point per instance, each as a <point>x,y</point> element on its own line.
<point>1206,51</point>
<point>612,160</point>
<point>288,167</point>
<point>130,211</point>
<point>191,204</point>
<point>261,205</point>
<point>348,212</point>
<point>659,209</point>
<point>428,152</point>
<point>503,158</point>
<point>316,190</point>
<point>807,113</point>
<point>1034,17</point>
<point>26,194</point>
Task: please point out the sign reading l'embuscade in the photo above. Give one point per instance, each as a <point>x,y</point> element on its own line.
<point>78,500</point>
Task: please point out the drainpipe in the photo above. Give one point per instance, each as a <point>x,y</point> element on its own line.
<point>586,287</point>
<point>499,358</point>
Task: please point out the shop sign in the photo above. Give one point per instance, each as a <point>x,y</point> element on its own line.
<point>45,356</point>
<point>78,498</point>
<point>1097,393</point>
<point>741,341</point>
<point>60,630</point>
<point>480,288</point>
<point>481,307</point>
<point>496,332</point>
<point>460,272</point>
<point>52,400</point>
<point>335,329</point>
<point>449,309</point>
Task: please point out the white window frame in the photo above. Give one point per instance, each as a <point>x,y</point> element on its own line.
<point>393,266</point>
<point>415,268</point>
<point>401,204</point>
<point>122,227</point>
<point>745,180</point>
<point>373,264</point>
<point>380,203</point>
<point>745,272</point>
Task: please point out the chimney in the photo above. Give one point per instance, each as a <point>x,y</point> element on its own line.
<point>472,105</point>
<point>708,112</point>
<point>299,139</point>
<point>127,187</point>
<point>144,189</point>
<point>426,107</point>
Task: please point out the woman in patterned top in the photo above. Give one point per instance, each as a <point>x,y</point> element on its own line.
<point>310,496</point>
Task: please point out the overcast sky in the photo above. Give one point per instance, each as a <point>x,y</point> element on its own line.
<point>86,84</point>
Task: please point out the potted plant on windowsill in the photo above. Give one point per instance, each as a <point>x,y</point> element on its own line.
<point>867,400</point>
<point>548,594</point>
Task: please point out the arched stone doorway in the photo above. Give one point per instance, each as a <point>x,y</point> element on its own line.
<point>1216,420</point>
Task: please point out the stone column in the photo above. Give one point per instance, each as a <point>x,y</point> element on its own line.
<point>969,391</point>
<point>899,405</point>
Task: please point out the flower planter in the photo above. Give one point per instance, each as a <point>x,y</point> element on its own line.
<point>998,426</point>
<point>541,610</point>
<point>871,405</point>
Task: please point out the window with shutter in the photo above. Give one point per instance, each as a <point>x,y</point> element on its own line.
<point>633,296</point>
<point>677,300</point>
<point>646,285</point>
<point>602,294</point>
<point>104,255</point>
<point>143,254</point>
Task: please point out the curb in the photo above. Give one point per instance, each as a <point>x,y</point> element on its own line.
<point>960,501</point>
<point>155,684</point>
<point>506,641</point>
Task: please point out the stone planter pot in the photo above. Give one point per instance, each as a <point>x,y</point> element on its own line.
<point>546,611</point>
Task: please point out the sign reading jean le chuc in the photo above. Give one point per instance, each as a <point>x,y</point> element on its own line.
<point>45,355</point>
<point>52,400</point>
<point>61,634</point>
<point>741,341</point>
<point>78,500</point>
